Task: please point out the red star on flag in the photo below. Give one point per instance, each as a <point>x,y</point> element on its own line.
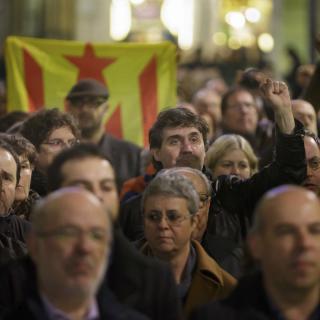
<point>89,65</point>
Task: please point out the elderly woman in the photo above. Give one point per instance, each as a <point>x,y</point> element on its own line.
<point>232,154</point>
<point>170,206</point>
<point>24,196</point>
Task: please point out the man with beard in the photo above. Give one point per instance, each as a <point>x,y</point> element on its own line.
<point>87,101</point>
<point>179,138</point>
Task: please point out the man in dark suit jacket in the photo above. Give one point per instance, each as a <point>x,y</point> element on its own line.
<point>87,102</point>
<point>285,239</point>
<point>70,251</point>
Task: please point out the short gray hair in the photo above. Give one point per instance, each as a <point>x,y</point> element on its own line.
<point>193,171</point>
<point>173,185</point>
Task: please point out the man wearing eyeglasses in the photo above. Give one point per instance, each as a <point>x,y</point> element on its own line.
<point>87,101</point>
<point>142,284</point>
<point>71,251</point>
<point>50,131</point>
<point>285,242</point>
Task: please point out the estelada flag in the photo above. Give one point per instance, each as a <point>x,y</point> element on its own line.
<point>141,78</point>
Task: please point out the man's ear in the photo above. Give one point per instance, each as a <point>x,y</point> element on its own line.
<point>254,243</point>
<point>67,105</point>
<point>155,152</point>
<point>207,204</point>
<point>104,108</point>
<point>195,221</point>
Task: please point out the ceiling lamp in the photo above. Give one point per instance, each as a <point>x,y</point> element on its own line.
<point>178,17</point>
<point>120,19</point>
<point>235,19</point>
<point>253,15</point>
<point>266,42</point>
<point>137,2</point>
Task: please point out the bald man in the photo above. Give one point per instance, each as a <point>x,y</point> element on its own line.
<point>140,283</point>
<point>70,250</point>
<point>304,112</point>
<point>285,239</point>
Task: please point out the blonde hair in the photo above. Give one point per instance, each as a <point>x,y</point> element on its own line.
<point>227,143</point>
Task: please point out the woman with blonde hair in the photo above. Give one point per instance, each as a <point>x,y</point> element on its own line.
<point>231,154</point>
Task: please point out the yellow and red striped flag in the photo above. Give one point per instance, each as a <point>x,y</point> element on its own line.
<point>141,78</point>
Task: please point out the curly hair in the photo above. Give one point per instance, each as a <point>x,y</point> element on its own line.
<point>173,184</point>
<point>40,125</point>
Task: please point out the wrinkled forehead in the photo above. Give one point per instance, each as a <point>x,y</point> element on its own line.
<point>166,201</point>
<point>180,131</point>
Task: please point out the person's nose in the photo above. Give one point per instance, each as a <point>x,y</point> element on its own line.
<point>235,170</point>
<point>306,121</point>
<point>65,145</point>
<point>186,146</point>
<point>85,243</point>
<point>86,106</point>
<point>243,108</point>
<point>98,193</point>
<point>304,240</point>
<point>163,223</point>
<point>309,171</point>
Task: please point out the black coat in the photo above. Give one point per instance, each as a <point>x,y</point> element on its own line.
<point>14,227</point>
<point>233,200</point>
<point>124,156</point>
<point>39,183</point>
<point>140,283</point>
<point>248,301</point>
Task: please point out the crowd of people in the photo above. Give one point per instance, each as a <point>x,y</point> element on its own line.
<point>218,219</point>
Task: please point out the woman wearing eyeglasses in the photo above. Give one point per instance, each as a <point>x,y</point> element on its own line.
<point>50,131</point>
<point>170,215</point>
